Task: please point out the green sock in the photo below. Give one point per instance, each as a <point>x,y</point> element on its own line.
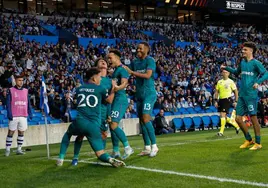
<point>64,145</point>
<point>145,135</point>
<point>121,136</point>
<point>77,146</point>
<point>151,133</point>
<point>248,136</point>
<point>104,143</point>
<point>105,157</point>
<point>258,139</point>
<point>115,141</point>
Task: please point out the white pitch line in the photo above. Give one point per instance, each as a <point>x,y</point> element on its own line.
<point>227,180</point>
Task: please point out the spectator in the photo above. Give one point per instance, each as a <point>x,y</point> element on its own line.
<point>127,114</point>
<point>161,125</point>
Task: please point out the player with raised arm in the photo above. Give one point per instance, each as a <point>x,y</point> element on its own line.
<point>224,89</point>
<point>88,120</point>
<point>252,74</point>
<point>143,68</point>
<point>119,105</point>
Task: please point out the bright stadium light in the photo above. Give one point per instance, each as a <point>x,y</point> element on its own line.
<point>178,1</point>
<point>185,2</point>
<point>167,1</point>
<point>90,3</point>
<point>105,2</point>
<point>150,8</point>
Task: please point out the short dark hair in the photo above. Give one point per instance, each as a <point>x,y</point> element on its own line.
<point>146,44</point>
<point>97,61</point>
<point>17,76</point>
<point>251,45</point>
<point>116,52</point>
<point>91,72</point>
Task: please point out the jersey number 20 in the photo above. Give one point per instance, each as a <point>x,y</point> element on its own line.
<point>85,101</point>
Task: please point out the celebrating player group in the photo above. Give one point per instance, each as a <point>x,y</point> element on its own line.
<point>102,103</point>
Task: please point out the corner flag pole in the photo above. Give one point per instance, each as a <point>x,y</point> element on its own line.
<point>47,137</point>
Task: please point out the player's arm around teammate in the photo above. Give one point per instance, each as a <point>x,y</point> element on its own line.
<point>143,69</point>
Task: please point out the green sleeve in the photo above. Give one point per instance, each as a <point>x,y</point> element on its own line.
<point>262,72</point>
<point>234,71</point>
<point>151,64</point>
<point>124,73</point>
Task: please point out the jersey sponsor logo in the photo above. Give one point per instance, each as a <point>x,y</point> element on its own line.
<point>87,90</point>
<point>141,71</point>
<point>20,103</point>
<point>247,73</point>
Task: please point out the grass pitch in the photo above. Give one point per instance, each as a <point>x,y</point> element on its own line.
<point>192,159</point>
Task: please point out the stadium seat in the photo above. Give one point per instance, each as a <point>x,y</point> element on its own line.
<point>177,113</point>
<point>37,114</point>
<point>5,121</point>
<point>197,121</point>
<point>156,111</point>
<point>73,114</point>
<point>55,121</point>
<point>208,111</point>
<point>1,107</point>
<point>4,112</point>
<point>181,110</point>
<point>177,122</point>
<point>2,117</point>
<point>191,110</point>
<point>188,122</point>
<point>134,115</point>
<point>215,120</point>
<point>33,123</point>
<point>197,109</point>
<point>42,122</point>
<point>213,109</point>
<point>36,119</point>
<point>168,114</point>
<point>206,121</point>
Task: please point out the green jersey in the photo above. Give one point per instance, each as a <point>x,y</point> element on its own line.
<point>251,72</point>
<point>89,99</point>
<point>118,74</point>
<point>106,83</point>
<point>144,86</point>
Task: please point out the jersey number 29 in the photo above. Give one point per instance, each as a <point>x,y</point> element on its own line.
<point>85,101</point>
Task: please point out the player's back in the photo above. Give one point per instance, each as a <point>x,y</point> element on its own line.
<point>89,99</point>
<point>145,86</point>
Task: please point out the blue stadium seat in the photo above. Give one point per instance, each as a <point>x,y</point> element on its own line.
<point>206,121</point>
<point>36,119</point>
<point>1,107</point>
<point>181,110</point>
<point>188,122</point>
<point>213,109</point>
<point>185,112</point>
<point>55,121</point>
<point>168,114</point>
<point>156,111</point>
<point>197,121</point>
<point>191,110</point>
<point>5,121</point>
<point>2,117</point>
<point>134,115</point>
<point>177,113</point>
<point>42,122</point>
<point>73,114</point>
<point>209,111</point>
<point>177,122</point>
<point>4,112</point>
<point>215,120</point>
<point>197,109</point>
<point>32,123</point>
<point>37,114</point>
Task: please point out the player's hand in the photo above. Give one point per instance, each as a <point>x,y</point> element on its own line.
<point>109,119</point>
<point>116,88</point>
<point>255,86</point>
<point>223,67</point>
<point>128,69</point>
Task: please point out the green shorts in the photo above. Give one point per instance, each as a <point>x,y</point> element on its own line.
<point>146,105</point>
<point>84,127</point>
<point>246,106</point>
<point>118,110</point>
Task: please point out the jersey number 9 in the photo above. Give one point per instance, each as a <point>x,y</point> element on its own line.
<point>85,101</point>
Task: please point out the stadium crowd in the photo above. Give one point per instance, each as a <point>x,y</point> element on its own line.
<point>185,77</point>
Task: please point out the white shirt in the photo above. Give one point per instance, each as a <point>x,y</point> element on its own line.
<point>29,64</point>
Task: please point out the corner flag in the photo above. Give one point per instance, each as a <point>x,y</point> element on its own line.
<point>43,97</point>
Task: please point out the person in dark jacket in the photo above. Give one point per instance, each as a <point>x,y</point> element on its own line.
<point>161,124</point>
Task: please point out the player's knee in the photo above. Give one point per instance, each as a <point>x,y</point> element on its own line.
<point>113,125</point>
<point>10,133</point>
<point>146,118</point>
<point>222,114</point>
<point>21,132</point>
<point>238,119</point>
